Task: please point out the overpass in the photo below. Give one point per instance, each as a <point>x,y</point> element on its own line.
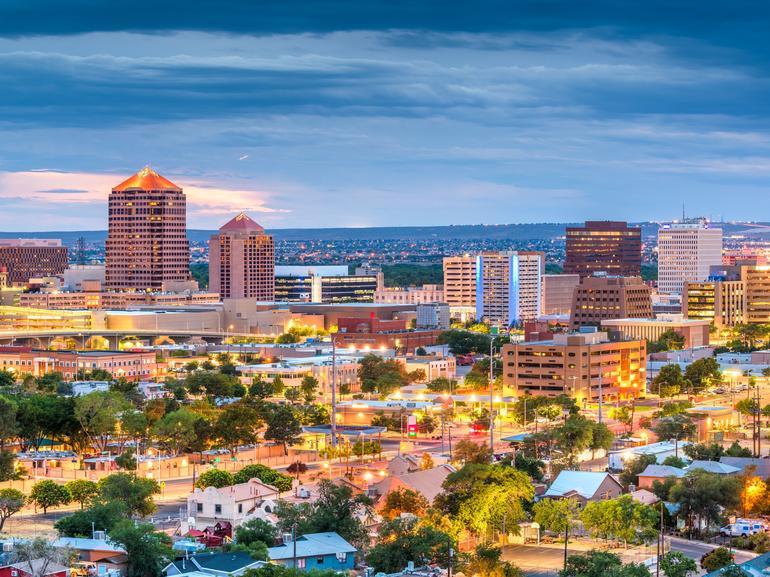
<point>43,338</point>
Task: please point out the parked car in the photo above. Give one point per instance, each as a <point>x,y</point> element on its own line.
<point>744,527</point>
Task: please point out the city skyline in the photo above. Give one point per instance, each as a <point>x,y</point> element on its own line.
<point>431,116</point>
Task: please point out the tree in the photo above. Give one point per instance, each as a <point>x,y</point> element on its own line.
<point>47,493</point>
<point>261,389</point>
<point>404,501</point>
<point>426,462</point>
<point>466,451</point>
<point>7,379</point>
<point>41,416</point>
<point>621,518</point>
<point>380,375</point>
<point>601,438</point>
<point>753,491</point>
<point>336,509</point>
<point>601,564</point>
<point>126,460</point>
<point>265,474</point>
<point>486,561</point>
<point>535,468</point>
<point>98,414</point>
<point>215,478</point>
<point>703,452</point>
<point>630,474</point>
<point>238,424</point>
<point>676,427</point>
<point>147,551</point>
<point>209,382</point>
<point>703,373</point>
<point>702,496</point>
<point>716,559</point>
<point>674,461</point>
<point>483,497</point>
<point>558,516</point>
<point>668,382</point>
<point>176,430</point>
<point>11,502</point>
<point>136,493</point>
<point>574,437</point>
<point>668,341</point>
<point>677,564</point>
<point>9,425</point>
<point>309,388</point>
<point>38,555</point>
<point>283,426</point>
<point>82,491</point>
<point>441,385</point>
<point>99,516</point>
<point>256,530</point>
<point>404,540</point>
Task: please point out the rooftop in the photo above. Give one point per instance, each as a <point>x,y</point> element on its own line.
<point>242,223</point>
<point>662,471</point>
<point>312,545</point>
<point>584,483</point>
<point>146,179</point>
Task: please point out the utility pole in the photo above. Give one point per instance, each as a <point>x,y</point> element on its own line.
<point>334,394</point>
<point>491,396</point>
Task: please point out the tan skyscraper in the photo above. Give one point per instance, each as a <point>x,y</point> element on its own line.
<point>147,246</point>
<point>242,261</point>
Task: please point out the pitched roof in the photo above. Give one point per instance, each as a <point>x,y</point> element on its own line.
<point>251,489</point>
<point>741,463</point>
<point>312,545</point>
<point>220,562</point>
<point>584,483</point>
<point>84,544</point>
<point>644,497</point>
<point>426,482</point>
<point>146,179</point>
<point>757,567</point>
<point>662,471</point>
<point>713,467</point>
<point>37,565</point>
<point>242,223</point>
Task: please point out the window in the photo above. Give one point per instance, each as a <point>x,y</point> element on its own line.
<point>240,507</point>
<point>199,507</point>
<point>301,563</point>
<point>218,509</point>
<point>319,560</point>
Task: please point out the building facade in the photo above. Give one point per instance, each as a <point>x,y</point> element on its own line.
<point>133,366</point>
<point>509,287</point>
<point>242,261</point>
<point>557,293</point>
<point>602,297</point>
<point>147,248</point>
<point>686,251</point>
<point>756,286</point>
<point>611,247</point>
<point>719,302</point>
<point>695,332</point>
<point>324,284</point>
<point>429,293</point>
<point>433,316</point>
<point>25,258</point>
<point>460,286</point>
<point>578,365</point>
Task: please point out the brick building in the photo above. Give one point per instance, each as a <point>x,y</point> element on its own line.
<point>611,247</point>
<point>601,297</point>
<point>26,258</point>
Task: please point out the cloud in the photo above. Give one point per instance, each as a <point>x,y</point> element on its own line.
<point>63,191</point>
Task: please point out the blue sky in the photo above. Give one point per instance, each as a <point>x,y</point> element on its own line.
<point>331,113</point>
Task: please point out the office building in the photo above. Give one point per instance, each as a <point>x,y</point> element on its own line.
<point>324,284</point>
<point>720,302</point>
<point>557,293</point>
<point>756,286</point>
<point>460,286</point>
<point>686,251</point>
<point>578,365</point>
<point>433,316</point>
<point>25,258</point>
<point>147,246</point>
<point>694,331</point>
<point>242,261</point>
<point>508,287</point>
<point>601,297</point>
<point>429,293</point>
<point>604,246</point>
<point>133,366</point>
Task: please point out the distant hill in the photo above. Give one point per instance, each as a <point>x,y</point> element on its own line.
<point>528,231</point>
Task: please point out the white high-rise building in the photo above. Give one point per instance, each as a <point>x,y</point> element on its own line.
<point>460,286</point>
<point>508,287</point>
<point>686,250</point>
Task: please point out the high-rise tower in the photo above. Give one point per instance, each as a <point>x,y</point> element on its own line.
<point>147,246</point>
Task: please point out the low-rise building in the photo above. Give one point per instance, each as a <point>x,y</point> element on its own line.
<point>433,316</point>
<point>694,331</point>
<point>429,293</point>
<point>426,482</point>
<point>315,551</point>
<point>434,367</point>
<point>213,563</point>
<point>233,504</point>
<point>133,366</point>
<point>584,486</point>
<point>660,473</point>
<point>293,370</point>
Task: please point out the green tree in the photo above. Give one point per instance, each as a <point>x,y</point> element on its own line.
<point>11,502</point>
<point>557,516</point>
<point>486,561</point>
<point>126,460</point>
<point>403,540</point>
<point>466,451</point>
<point>261,389</point>
<point>676,427</point>
<point>38,556</point>
<point>238,424</point>
<point>136,493</point>
<point>7,379</point>
<point>9,426</point>
<point>601,438</point>
<point>265,474</point>
<point>601,564</point>
<point>716,559</point>
<point>677,564</point>
<point>703,373</point>
<point>99,516</point>
<point>669,381</point>
<point>99,414</point>
<point>574,437</point>
<point>703,496</point>
<point>176,430</point>
<point>215,478</point>
<point>674,461</point>
<point>209,382</point>
<point>309,388</point>
<point>630,474</point>
<point>441,385</point>
<point>668,341</point>
<point>46,494</point>
<point>283,427</point>
<point>621,518</point>
<point>404,501</point>
<point>147,551</point>
<point>256,530</point>
<point>703,452</point>
<point>82,491</point>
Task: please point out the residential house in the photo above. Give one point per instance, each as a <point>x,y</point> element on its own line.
<point>234,504</point>
<point>402,464</point>
<point>100,555</point>
<point>716,467</point>
<point>231,564</point>
<point>584,486</point>
<point>761,466</point>
<point>658,473</point>
<point>36,568</point>
<point>618,459</point>
<point>315,551</point>
<point>426,482</point>
<point>644,497</point>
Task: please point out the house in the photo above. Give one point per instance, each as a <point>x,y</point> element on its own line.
<point>35,568</point>
<point>716,467</point>
<point>426,482</point>
<point>619,458</point>
<point>230,564</point>
<point>658,473</point>
<point>315,551</point>
<point>234,504</point>
<point>644,497</point>
<point>403,464</point>
<point>761,466</point>
<point>584,486</point>
<point>757,567</point>
<point>99,555</point>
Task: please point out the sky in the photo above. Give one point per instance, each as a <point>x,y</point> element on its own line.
<point>327,113</point>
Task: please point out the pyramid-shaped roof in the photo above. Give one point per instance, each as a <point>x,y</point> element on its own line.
<point>146,179</point>
<point>242,223</point>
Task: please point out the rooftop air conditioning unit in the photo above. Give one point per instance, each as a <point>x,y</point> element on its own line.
<point>100,535</point>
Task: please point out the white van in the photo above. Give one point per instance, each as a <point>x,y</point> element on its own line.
<point>744,527</point>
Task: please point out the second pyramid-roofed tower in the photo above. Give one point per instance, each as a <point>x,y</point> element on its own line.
<point>147,247</point>
<point>242,261</point>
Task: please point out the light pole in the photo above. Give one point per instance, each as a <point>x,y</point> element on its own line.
<point>491,396</point>
<point>334,393</point>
